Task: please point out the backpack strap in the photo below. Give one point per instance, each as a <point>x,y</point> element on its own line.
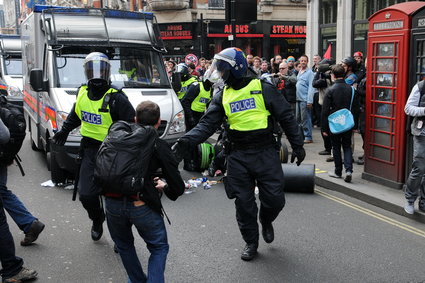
<point>352,97</point>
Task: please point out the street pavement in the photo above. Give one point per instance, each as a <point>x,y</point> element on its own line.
<point>373,193</point>
<point>321,237</point>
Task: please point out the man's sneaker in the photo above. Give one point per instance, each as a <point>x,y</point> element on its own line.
<point>330,159</point>
<point>249,252</point>
<point>324,152</point>
<point>32,235</point>
<point>333,175</point>
<point>409,207</point>
<point>23,275</point>
<point>348,177</point>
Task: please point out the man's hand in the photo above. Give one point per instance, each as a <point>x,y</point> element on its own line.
<point>159,184</point>
<point>310,106</point>
<point>325,134</point>
<point>60,137</point>
<point>180,149</point>
<point>298,153</point>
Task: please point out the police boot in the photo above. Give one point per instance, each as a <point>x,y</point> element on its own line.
<point>268,232</point>
<point>97,229</point>
<point>249,252</point>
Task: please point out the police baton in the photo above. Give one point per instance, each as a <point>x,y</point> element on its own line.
<point>78,160</point>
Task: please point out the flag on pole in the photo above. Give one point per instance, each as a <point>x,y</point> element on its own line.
<point>328,52</point>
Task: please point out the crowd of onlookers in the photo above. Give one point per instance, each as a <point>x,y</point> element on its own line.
<point>305,86</point>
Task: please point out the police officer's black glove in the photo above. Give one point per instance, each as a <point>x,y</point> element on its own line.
<point>298,153</point>
<point>180,149</point>
<point>60,137</point>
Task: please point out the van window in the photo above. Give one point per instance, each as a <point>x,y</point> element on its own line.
<point>13,66</point>
<point>130,67</point>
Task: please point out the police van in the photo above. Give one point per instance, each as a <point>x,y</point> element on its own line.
<point>55,41</point>
<point>11,67</point>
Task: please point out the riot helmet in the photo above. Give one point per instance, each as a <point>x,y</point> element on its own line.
<point>349,61</point>
<point>229,64</point>
<point>97,67</point>
<point>183,70</point>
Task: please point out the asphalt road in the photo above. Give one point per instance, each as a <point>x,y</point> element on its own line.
<point>324,237</point>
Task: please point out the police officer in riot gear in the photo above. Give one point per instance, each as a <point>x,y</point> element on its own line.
<point>98,105</point>
<point>182,80</point>
<point>249,106</point>
<point>195,102</point>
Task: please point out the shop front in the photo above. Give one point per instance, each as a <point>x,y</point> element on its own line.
<point>264,38</point>
<point>179,40</point>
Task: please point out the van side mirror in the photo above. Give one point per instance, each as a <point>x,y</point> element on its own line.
<point>36,79</point>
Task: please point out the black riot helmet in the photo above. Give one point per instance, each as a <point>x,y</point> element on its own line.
<point>183,70</point>
<point>350,62</point>
<point>97,67</point>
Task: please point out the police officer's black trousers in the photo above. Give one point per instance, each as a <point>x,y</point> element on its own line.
<point>89,193</point>
<point>246,169</point>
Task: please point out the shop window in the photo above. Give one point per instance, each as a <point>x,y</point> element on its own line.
<point>365,8</point>
<point>216,4</point>
<point>329,10</point>
<point>329,37</point>
<point>360,37</point>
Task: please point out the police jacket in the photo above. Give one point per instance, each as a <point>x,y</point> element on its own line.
<point>274,102</point>
<point>191,95</point>
<point>120,109</point>
<point>163,159</point>
<point>337,97</point>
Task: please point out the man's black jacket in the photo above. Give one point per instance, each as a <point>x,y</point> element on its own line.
<point>275,103</point>
<point>163,159</point>
<point>337,97</point>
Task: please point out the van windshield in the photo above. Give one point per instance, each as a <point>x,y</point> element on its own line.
<point>130,67</point>
<point>13,66</point>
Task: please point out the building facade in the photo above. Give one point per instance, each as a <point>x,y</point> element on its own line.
<point>200,27</point>
<point>343,24</point>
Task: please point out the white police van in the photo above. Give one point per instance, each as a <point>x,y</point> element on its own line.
<point>11,66</point>
<point>55,41</point>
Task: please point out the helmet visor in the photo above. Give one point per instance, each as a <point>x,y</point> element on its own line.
<point>218,70</point>
<point>97,69</point>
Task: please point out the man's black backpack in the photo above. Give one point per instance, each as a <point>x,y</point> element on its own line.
<point>123,158</point>
<point>13,118</point>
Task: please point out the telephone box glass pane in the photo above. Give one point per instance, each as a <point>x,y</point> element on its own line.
<point>383,109</point>
<point>382,124</point>
<point>384,79</point>
<point>421,48</point>
<point>383,94</point>
<point>385,65</point>
<point>381,153</point>
<point>385,49</point>
<point>382,139</point>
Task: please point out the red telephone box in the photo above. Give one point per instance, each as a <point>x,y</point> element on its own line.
<point>387,91</point>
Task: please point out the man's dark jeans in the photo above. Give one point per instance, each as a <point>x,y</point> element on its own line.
<point>343,140</point>
<point>121,215</point>
<point>11,264</point>
<point>14,206</point>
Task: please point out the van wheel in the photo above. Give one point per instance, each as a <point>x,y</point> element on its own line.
<point>58,175</point>
<point>33,145</point>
